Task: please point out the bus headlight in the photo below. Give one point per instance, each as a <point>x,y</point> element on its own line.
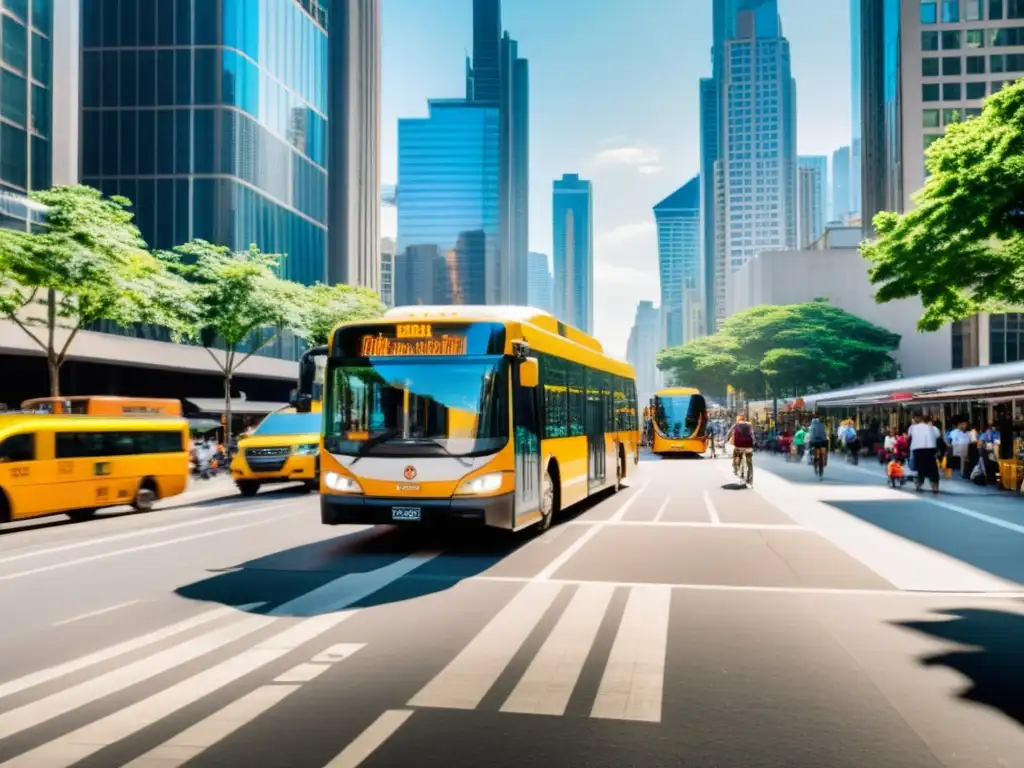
<point>341,483</point>
<point>483,484</point>
<point>309,449</point>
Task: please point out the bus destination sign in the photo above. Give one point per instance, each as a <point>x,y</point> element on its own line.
<point>425,345</point>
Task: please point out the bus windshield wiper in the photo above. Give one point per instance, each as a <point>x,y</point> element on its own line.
<point>373,442</point>
<point>443,447</point>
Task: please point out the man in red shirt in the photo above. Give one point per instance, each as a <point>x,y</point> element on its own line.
<point>742,437</point>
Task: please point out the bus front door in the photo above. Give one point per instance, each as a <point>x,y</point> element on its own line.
<point>594,420</point>
<point>526,423</point>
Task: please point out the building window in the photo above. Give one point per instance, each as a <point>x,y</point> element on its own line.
<point>929,41</point>
<point>930,67</point>
<point>971,112</point>
<point>975,91</point>
<point>14,103</point>
<point>975,38</point>
<point>951,92</point>
<point>1015,9</point>
<point>951,11</point>
<point>930,118</point>
<point>929,14</point>
<point>950,116</point>
<point>974,10</point>
<point>951,40</point>
<point>975,65</point>
<point>995,10</point>
<point>996,63</point>
<point>997,85</point>
<point>930,92</point>
<point>951,65</point>
<point>15,44</point>
<point>931,138</point>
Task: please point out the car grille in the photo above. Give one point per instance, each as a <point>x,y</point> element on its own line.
<point>266,459</point>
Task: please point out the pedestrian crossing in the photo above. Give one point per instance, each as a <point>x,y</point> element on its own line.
<point>217,651</point>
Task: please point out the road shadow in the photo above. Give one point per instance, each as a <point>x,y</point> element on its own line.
<point>995,664</point>
<point>977,543</point>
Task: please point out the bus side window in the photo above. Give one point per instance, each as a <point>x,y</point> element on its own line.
<point>18,448</point>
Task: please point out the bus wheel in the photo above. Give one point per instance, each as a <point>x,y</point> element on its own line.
<point>547,502</point>
<point>5,509</point>
<point>81,515</point>
<point>248,487</point>
<point>145,497</point>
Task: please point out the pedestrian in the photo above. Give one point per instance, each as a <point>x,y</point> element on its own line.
<point>924,443</point>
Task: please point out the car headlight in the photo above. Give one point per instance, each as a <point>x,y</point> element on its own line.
<point>482,484</point>
<point>341,483</point>
<point>308,449</point>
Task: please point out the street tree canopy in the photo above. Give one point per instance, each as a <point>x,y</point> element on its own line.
<point>328,305</point>
<point>773,348</point>
<point>89,263</point>
<point>961,249</point>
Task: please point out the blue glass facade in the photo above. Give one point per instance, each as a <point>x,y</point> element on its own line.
<point>26,79</point>
<point>448,212</point>
<point>572,209</point>
<point>855,108</point>
<point>710,111</point>
<point>211,116</point>
<point>679,246</point>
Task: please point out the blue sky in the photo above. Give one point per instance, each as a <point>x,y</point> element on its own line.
<point>614,97</point>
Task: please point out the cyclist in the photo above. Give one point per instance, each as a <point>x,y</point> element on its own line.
<point>742,436</point>
<point>817,436</point>
<point>712,437</point>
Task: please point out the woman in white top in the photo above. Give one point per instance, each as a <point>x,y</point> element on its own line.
<point>924,443</point>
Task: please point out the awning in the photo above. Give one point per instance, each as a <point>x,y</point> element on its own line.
<point>238,406</point>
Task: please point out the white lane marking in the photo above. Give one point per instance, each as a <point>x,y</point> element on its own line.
<point>1009,593</point>
<point>621,511</point>
<point>351,588</point>
<point>546,686</point>
<point>712,512</point>
<point>470,675</point>
<point>371,739</point>
<point>1006,524</point>
<point>552,568</point>
<point>141,548</point>
<point>218,726</point>
<point>634,677</point>
<point>337,652</point>
<point>93,614</point>
<point>75,746</point>
<point>690,524</point>
<point>147,531</point>
<point>57,704</point>
<point>302,673</point>
<point>661,510</point>
<point>46,675</point>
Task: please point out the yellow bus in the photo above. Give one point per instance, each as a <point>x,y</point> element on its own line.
<point>680,421</point>
<point>495,416</point>
<point>104,405</point>
<point>75,465</point>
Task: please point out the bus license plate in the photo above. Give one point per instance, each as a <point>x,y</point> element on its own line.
<point>405,513</point>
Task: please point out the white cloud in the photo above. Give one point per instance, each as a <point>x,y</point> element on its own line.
<point>649,170</point>
<point>625,272</point>
<point>626,233</point>
<point>639,156</point>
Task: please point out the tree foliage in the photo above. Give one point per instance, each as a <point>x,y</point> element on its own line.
<point>89,263</point>
<point>961,249</point>
<point>328,305</point>
<point>775,347</point>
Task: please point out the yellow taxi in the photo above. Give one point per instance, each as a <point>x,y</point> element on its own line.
<point>284,448</point>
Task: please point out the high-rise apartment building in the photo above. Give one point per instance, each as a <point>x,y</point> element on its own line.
<point>387,271</point>
<point>677,218</point>
<point>573,227</point>
<point>758,137</point>
<point>643,347</point>
<point>448,205</point>
<point>353,83</point>
<point>841,199</point>
<point>812,198</point>
<point>856,141</point>
<point>539,294</point>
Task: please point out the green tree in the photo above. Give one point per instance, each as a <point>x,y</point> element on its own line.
<point>328,305</point>
<point>89,263</point>
<point>239,298</point>
<point>961,249</point>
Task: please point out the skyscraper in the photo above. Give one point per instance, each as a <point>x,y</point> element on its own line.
<point>812,198</point>
<point>354,87</point>
<point>758,137</point>
<point>642,349</point>
<point>855,108</point>
<point>841,208</point>
<point>679,246</point>
<point>448,205</point>
<point>540,282</point>
<point>387,271</point>
<point>573,227</point>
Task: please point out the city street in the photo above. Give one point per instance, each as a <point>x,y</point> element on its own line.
<point>685,621</point>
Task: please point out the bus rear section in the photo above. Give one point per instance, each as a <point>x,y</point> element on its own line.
<point>680,418</point>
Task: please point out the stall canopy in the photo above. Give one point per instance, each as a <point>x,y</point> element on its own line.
<point>239,407</point>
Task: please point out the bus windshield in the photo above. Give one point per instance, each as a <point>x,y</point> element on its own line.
<point>394,407</point>
<point>289,424</point>
<point>678,416</point>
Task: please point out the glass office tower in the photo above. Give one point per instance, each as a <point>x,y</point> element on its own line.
<point>211,116</point>
<point>26,79</point>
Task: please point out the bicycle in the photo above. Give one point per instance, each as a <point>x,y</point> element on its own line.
<point>737,459</point>
<point>820,460</point>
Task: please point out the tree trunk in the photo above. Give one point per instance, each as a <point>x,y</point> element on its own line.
<point>54,367</point>
<point>52,360</point>
<point>227,412</point>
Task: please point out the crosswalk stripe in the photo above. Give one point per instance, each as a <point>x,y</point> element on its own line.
<point>52,673</point>
<point>634,677</point>
<point>548,683</point>
<point>370,740</point>
<point>62,702</point>
<point>86,741</point>
<point>192,742</point>
<point>467,679</point>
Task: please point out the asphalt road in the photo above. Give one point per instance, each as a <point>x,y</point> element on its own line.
<point>685,621</point>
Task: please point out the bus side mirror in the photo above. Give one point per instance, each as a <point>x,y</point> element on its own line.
<point>529,372</point>
<point>302,403</point>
